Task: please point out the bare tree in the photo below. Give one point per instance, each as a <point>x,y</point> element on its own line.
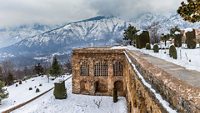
<point>153,29</point>
<point>98,102</point>
<point>1,73</point>
<point>67,67</point>
<point>7,67</point>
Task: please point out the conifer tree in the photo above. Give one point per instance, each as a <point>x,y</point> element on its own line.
<point>130,34</point>
<point>55,68</point>
<point>175,33</point>
<point>3,91</point>
<point>190,11</point>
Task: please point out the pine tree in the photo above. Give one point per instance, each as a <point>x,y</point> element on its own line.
<point>190,11</point>
<point>55,68</point>
<point>3,91</point>
<point>175,33</point>
<point>130,34</point>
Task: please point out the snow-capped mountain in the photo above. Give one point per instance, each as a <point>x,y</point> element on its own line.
<point>97,31</point>
<point>165,22</point>
<point>11,35</point>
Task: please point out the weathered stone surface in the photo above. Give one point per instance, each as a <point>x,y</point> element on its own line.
<point>106,83</point>
<point>181,94</point>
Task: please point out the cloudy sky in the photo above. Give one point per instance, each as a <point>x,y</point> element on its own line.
<point>15,12</point>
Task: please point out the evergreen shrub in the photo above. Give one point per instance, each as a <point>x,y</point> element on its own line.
<point>155,48</point>
<point>60,90</point>
<point>173,52</point>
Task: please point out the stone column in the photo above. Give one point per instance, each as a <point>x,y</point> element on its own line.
<point>110,77</point>
<point>75,74</point>
<point>91,74</point>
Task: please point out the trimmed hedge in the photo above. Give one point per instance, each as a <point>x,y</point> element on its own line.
<point>148,46</point>
<point>155,48</point>
<point>37,90</point>
<point>190,39</point>
<point>60,90</point>
<point>142,39</point>
<point>173,52</point>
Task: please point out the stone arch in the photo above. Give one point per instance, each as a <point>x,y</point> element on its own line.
<point>83,88</point>
<point>119,85</point>
<point>100,87</point>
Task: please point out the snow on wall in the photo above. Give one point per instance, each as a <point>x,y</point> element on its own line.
<point>188,29</point>
<point>164,103</point>
<point>177,33</point>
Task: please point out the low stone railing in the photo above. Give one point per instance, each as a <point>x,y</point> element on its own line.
<point>181,96</point>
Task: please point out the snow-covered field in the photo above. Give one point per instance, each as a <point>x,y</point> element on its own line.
<point>74,104</point>
<point>21,93</point>
<point>188,58</point>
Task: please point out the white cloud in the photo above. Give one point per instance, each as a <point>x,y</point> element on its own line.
<point>43,11</point>
<point>130,8</point>
<point>14,12</point>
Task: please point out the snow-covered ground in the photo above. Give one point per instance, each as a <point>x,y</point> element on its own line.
<point>21,93</point>
<point>188,58</point>
<point>74,103</point>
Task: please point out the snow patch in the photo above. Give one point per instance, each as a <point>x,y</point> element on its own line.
<point>177,33</point>
<point>188,30</point>
<point>139,32</point>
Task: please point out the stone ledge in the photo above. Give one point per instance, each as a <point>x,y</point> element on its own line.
<point>182,96</point>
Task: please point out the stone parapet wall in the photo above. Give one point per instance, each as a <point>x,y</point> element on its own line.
<point>139,98</point>
<point>181,96</point>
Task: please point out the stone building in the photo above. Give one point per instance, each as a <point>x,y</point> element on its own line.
<point>96,71</point>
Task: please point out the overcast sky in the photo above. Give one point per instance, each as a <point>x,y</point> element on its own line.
<point>15,12</point>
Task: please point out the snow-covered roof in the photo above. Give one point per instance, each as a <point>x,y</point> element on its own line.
<point>188,29</point>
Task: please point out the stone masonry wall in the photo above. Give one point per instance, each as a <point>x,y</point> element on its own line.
<point>92,55</point>
<point>139,98</point>
<point>181,96</point>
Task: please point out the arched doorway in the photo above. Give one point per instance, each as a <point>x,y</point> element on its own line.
<point>100,87</point>
<point>83,88</point>
<point>119,86</point>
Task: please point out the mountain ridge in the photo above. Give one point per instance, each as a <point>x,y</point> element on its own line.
<point>96,31</point>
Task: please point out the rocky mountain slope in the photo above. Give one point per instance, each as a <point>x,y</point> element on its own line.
<point>97,31</point>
